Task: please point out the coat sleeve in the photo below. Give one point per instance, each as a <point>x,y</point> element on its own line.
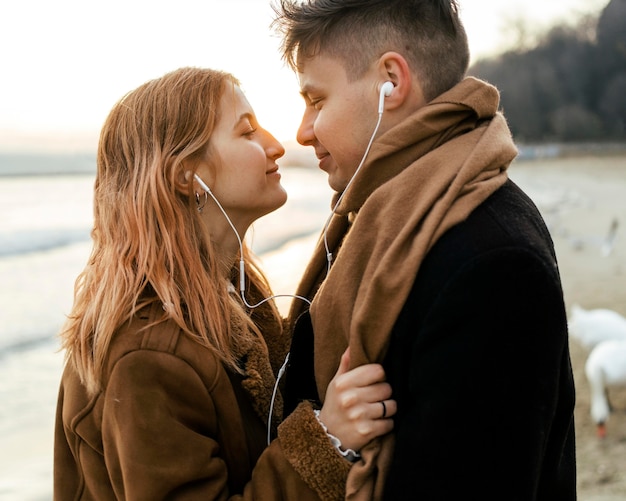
<point>159,427</point>
<point>485,375</point>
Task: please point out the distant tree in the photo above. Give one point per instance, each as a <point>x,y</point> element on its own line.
<point>520,32</point>
<point>571,85</point>
<point>572,122</point>
<point>613,105</point>
<point>515,77</point>
<point>570,53</point>
<point>612,35</point>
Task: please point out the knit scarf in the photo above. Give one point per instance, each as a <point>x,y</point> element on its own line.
<point>423,176</point>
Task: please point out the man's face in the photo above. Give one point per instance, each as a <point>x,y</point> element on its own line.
<point>339,117</point>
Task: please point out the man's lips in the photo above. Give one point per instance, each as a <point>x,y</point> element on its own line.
<point>321,154</point>
<point>324,158</point>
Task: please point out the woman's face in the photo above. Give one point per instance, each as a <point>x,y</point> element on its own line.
<point>246,182</point>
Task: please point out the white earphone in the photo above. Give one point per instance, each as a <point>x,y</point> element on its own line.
<point>242,293</point>
<point>242,269</point>
<point>385,91</point>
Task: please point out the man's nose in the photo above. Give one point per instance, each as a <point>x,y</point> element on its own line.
<point>305,135</point>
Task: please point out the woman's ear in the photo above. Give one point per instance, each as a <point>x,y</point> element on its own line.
<point>407,90</point>
<point>183,178</point>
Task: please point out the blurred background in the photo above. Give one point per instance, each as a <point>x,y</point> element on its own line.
<point>561,70</point>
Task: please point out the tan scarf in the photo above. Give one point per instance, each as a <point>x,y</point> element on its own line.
<point>422,177</point>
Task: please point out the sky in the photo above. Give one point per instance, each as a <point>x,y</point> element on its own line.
<point>64,63</point>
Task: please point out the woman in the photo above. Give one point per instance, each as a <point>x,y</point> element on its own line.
<point>170,375</point>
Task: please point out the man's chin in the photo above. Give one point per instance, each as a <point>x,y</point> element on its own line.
<point>336,185</point>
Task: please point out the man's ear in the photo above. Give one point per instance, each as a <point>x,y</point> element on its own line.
<point>407,90</point>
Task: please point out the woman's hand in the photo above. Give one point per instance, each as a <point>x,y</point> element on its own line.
<point>357,407</point>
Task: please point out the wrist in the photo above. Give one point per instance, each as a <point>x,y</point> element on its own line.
<point>348,454</point>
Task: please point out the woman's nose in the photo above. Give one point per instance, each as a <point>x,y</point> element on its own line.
<point>275,149</point>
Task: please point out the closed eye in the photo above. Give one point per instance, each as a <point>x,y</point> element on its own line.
<point>316,103</point>
<point>250,131</point>
<point>246,125</point>
<point>311,101</point>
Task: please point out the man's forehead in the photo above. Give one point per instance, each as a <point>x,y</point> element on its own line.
<point>318,70</point>
<point>306,86</point>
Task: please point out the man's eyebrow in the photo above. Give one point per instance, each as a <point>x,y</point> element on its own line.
<point>305,90</point>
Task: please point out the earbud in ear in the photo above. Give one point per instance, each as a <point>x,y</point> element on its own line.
<point>386,88</point>
<point>203,184</point>
<point>385,91</point>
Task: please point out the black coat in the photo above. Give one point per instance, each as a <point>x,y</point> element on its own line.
<point>479,365</point>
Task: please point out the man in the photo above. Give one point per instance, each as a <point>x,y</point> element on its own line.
<point>433,263</point>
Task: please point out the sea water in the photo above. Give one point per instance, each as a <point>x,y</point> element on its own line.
<point>45,223</point>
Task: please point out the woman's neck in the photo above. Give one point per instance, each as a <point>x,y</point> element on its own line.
<point>226,245</point>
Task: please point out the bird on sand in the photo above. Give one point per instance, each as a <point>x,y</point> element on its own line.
<point>605,368</point>
<point>590,327</point>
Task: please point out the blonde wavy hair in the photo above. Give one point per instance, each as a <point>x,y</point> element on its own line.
<point>149,243</point>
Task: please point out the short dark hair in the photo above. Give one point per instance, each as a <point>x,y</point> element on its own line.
<point>428,33</point>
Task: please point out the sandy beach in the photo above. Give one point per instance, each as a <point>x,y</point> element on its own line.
<point>579,198</point>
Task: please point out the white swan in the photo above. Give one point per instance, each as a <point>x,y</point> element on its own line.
<point>605,367</point>
<point>591,327</point>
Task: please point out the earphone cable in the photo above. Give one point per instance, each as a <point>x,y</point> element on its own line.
<point>329,255</point>
<point>242,265</point>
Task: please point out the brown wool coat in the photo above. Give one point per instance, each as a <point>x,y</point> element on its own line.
<point>172,423</point>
